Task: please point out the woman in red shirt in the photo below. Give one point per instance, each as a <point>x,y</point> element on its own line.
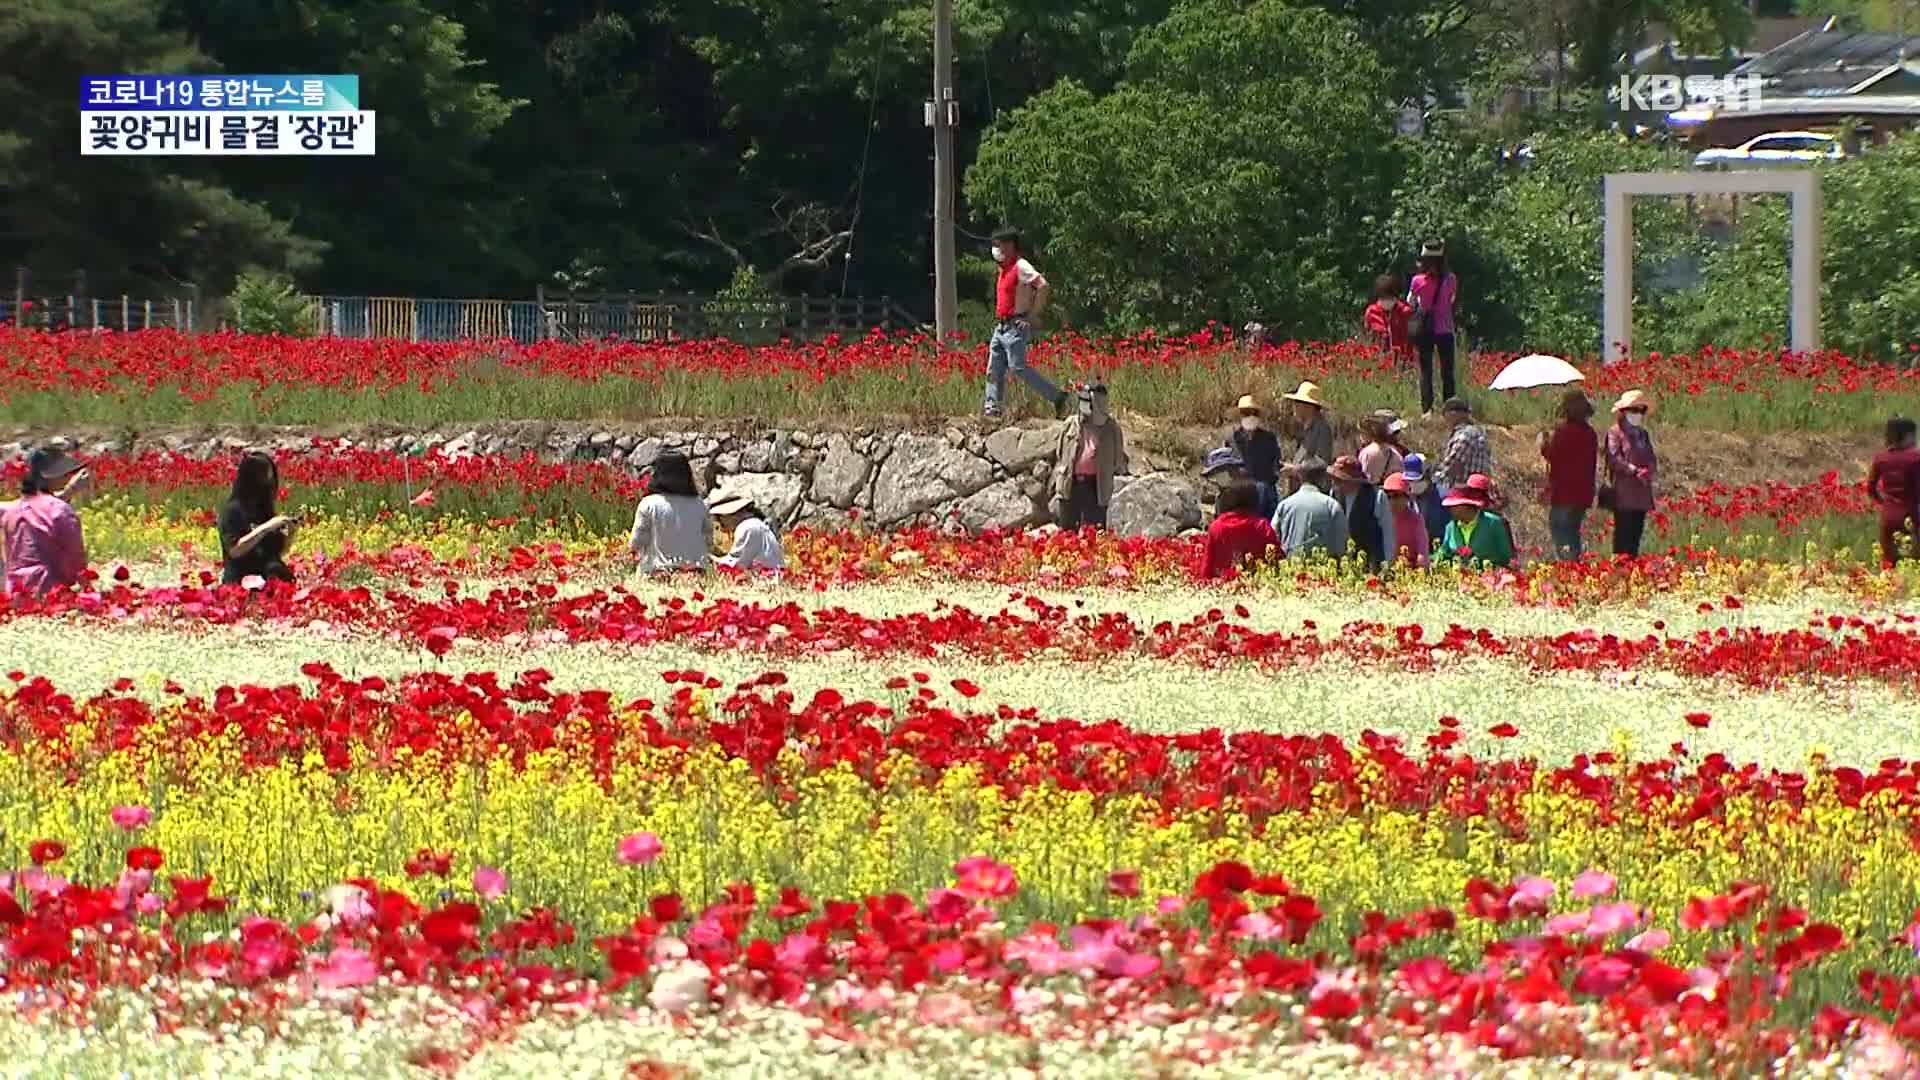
<point>1238,531</point>
<point>1893,483</point>
<point>1572,451</point>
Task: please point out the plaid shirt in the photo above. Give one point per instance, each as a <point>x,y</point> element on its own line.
<point>1467,453</point>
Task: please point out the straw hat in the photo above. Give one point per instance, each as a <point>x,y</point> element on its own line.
<point>722,502</point>
<point>1247,404</point>
<point>1633,399</point>
<point>1308,394</point>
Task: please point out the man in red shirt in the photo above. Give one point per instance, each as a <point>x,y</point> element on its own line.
<point>1019,293</point>
<point>1893,482</point>
<point>1572,450</point>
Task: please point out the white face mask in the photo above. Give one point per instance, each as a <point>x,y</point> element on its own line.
<point>1634,419</point>
<point>1249,423</point>
<point>999,253</point>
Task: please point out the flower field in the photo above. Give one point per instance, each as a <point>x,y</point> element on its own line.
<point>142,378</point>
<point>472,800</point>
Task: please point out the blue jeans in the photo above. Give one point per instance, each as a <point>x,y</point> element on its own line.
<point>1564,523</point>
<point>1008,349</point>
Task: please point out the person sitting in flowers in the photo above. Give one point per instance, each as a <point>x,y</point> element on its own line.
<point>1408,528</point>
<point>672,529</point>
<point>1476,534</point>
<point>41,547</point>
<point>1239,532</point>
<point>755,547</point>
<point>253,537</point>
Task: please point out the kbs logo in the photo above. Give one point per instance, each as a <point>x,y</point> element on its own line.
<point>1671,93</point>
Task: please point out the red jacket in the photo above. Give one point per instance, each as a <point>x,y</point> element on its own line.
<point>1233,537</point>
<point>1388,322</point>
<point>1572,453</point>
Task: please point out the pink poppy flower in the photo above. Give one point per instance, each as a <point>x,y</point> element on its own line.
<point>640,849</point>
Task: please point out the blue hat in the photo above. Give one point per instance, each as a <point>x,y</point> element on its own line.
<point>1414,468</point>
<point>1221,459</point>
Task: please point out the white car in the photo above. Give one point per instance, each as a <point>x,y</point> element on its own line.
<point>1773,148</point>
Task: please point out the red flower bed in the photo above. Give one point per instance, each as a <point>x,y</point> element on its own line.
<point>198,366</point>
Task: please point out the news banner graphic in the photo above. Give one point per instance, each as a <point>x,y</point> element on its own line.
<point>223,115</point>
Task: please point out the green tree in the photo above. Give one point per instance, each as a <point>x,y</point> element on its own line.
<point>424,215</point>
<point>1222,179</point>
<point>138,225</point>
<point>1870,281</point>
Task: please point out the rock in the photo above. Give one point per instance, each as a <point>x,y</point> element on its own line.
<point>801,440</point>
<point>1016,448</point>
<point>728,463</point>
<point>778,495</point>
<point>920,474</point>
<point>626,442</point>
<point>1157,505</point>
<point>705,447</point>
<point>644,453</point>
<point>601,440</point>
<point>758,457</point>
<point>956,438</point>
<point>841,474</point>
<point>998,506</point>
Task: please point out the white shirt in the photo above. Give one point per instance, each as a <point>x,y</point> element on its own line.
<point>1027,279</point>
<point>671,532</point>
<point>754,547</point>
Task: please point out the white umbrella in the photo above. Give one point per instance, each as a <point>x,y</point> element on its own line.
<point>1536,370</point>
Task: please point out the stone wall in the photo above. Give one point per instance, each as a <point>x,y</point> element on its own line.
<point>966,480</point>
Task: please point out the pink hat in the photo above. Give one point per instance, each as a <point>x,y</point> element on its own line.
<point>1462,497</point>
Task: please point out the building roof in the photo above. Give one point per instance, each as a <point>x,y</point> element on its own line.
<point>1768,34</point>
<point>1831,62</point>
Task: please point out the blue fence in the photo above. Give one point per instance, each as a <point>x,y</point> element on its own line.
<point>657,317</point>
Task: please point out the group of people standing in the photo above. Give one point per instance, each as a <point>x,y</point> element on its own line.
<point>1384,505</point>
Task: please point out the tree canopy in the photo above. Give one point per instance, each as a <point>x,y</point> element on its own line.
<point>1179,160</point>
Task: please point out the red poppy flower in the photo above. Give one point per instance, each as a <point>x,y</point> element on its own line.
<point>1503,730</point>
<point>43,852</point>
<point>144,858</point>
<point>1699,719</point>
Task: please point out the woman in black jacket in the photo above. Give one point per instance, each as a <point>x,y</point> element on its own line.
<point>253,537</point>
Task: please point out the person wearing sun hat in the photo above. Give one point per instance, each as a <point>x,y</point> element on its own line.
<point>1409,529</point>
<point>1475,535</point>
<point>1313,433</point>
<point>755,546</point>
<point>1426,498</point>
<point>1631,472</point>
<point>1380,457</point>
<point>1369,528</point>
<point>1259,450</point>
<point>41,546</point>
<point>1432,294</point>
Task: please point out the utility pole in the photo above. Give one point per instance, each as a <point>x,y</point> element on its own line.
<point>942,112</point>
